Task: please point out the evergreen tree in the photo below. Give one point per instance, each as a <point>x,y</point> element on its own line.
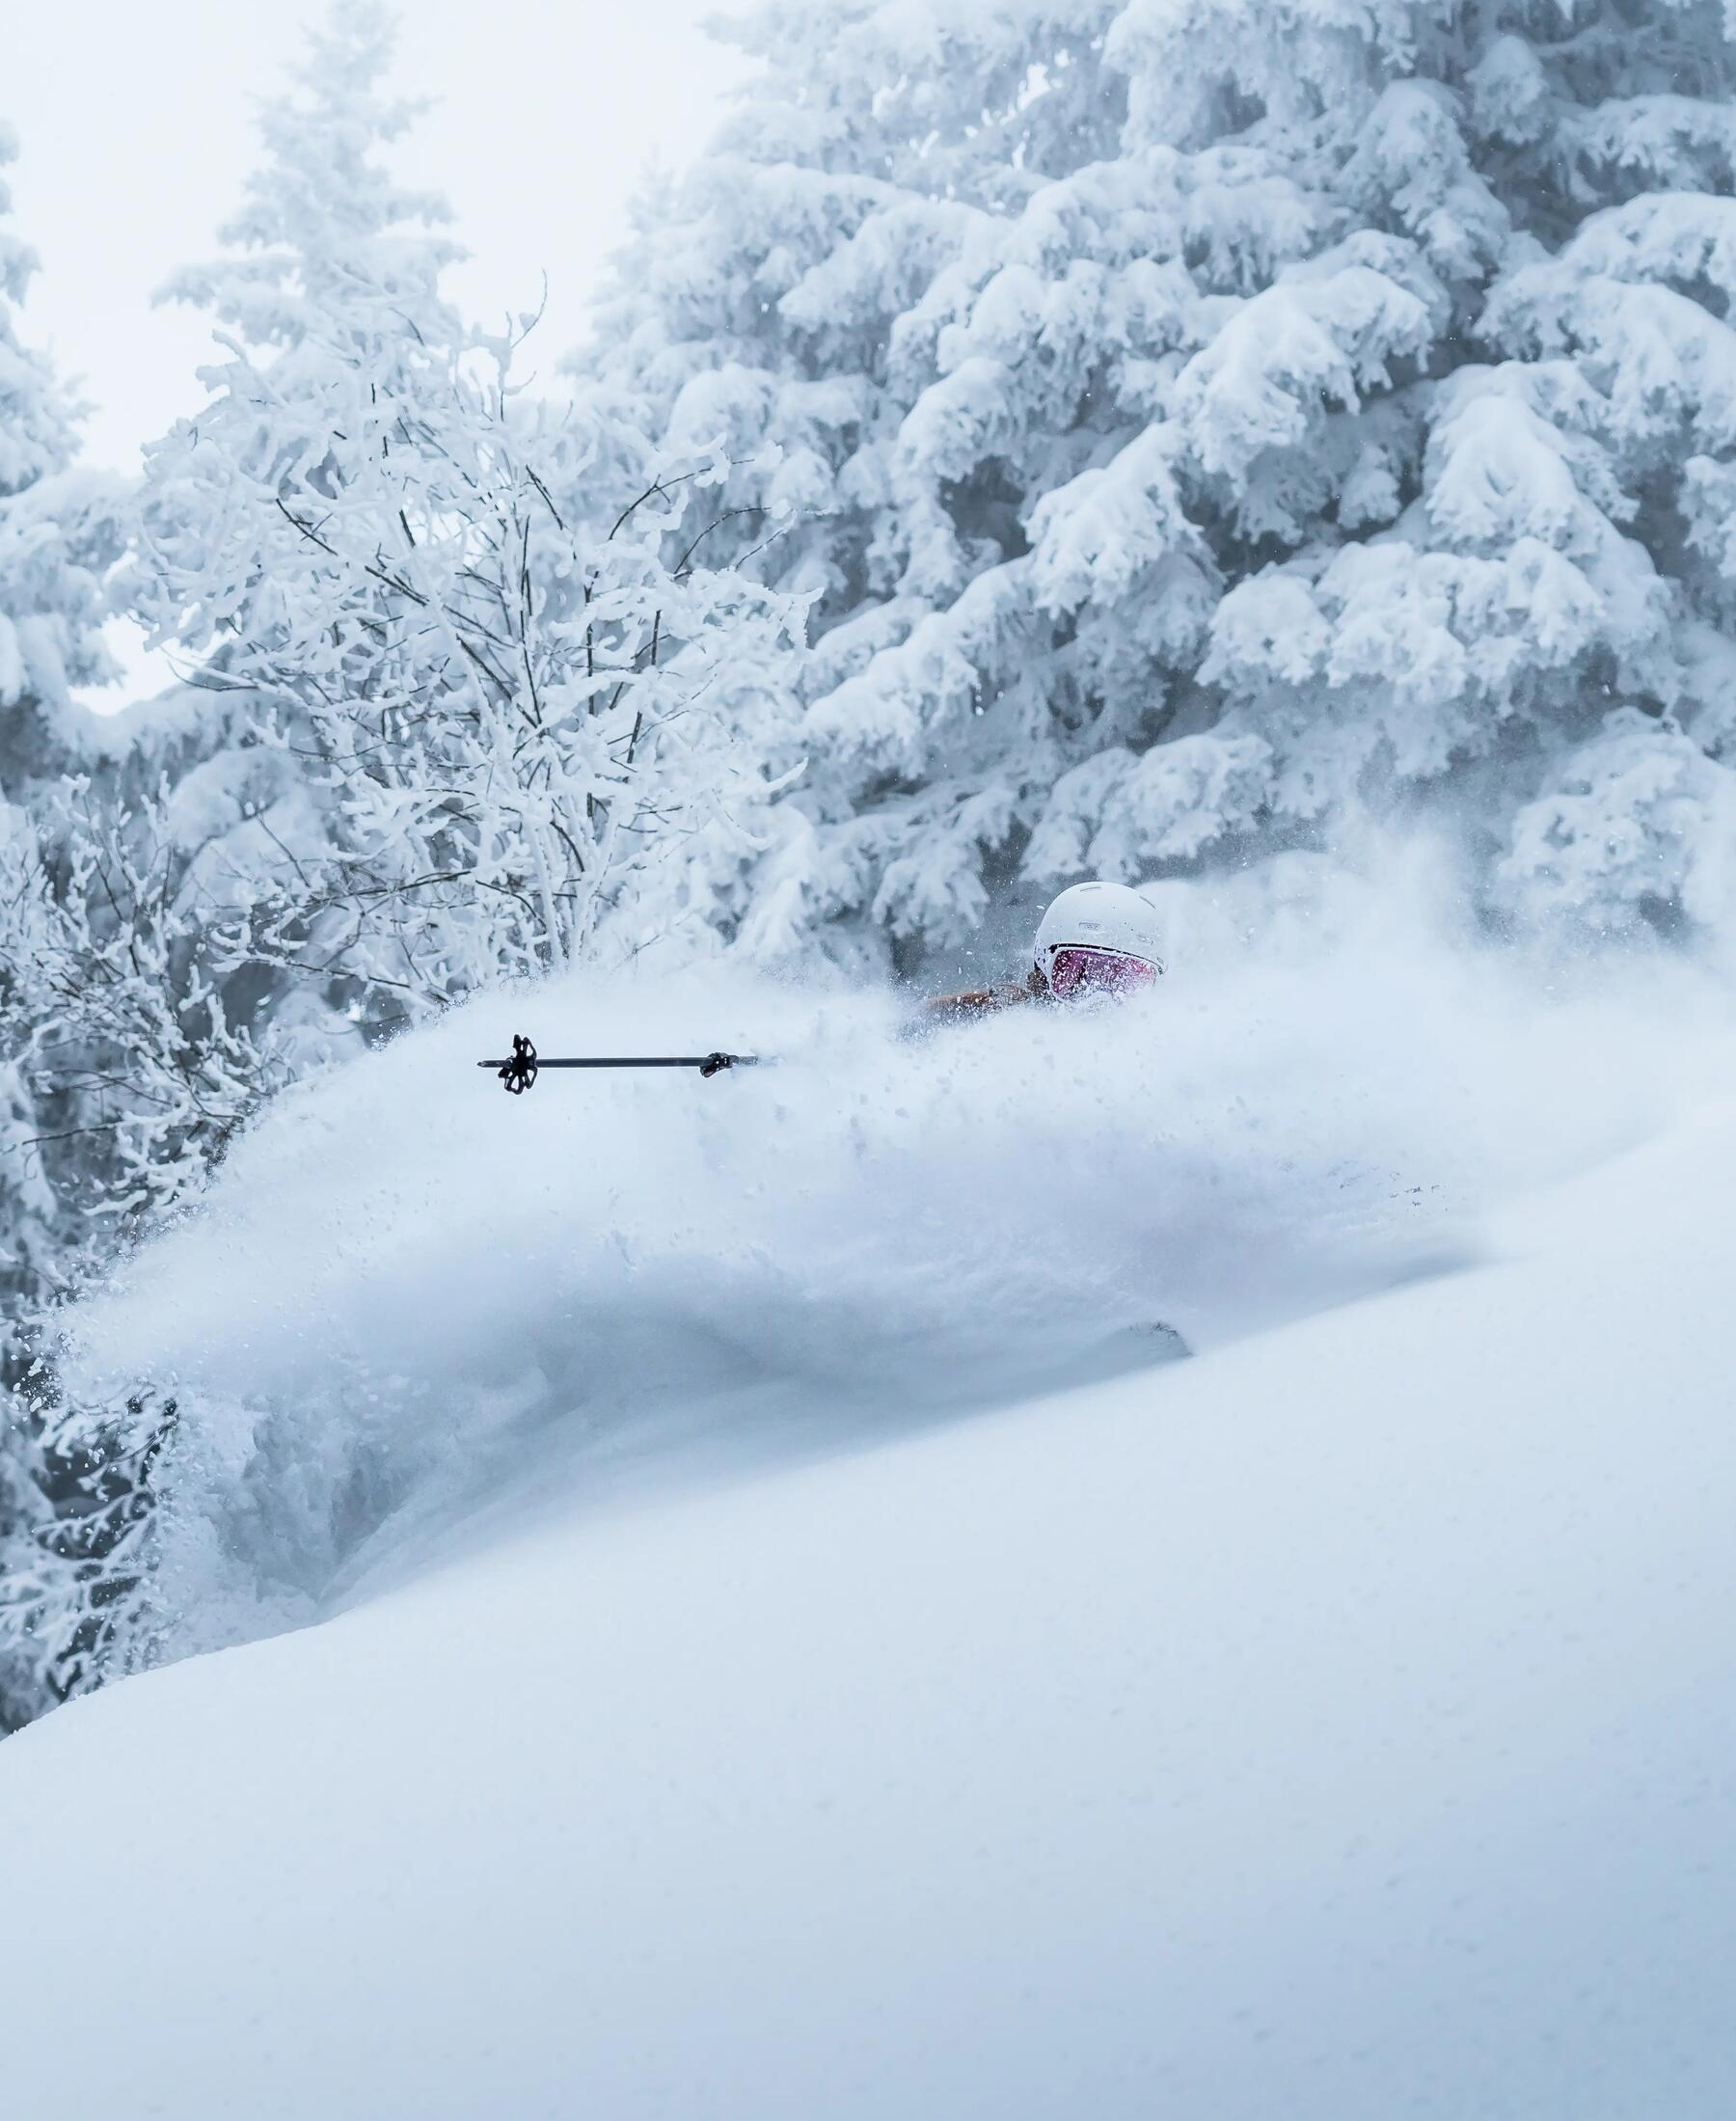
<point>1200,422</point>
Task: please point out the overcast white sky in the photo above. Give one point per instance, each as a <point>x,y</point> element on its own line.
<point>135,123</point>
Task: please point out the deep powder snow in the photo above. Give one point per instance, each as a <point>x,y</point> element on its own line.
<point>410,1297</point>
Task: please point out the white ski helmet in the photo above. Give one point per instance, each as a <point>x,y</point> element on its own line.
<point>1104,921</point>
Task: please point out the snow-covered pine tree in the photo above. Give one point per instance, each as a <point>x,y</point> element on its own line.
<point>508,722</point>
<point>1203,419</point>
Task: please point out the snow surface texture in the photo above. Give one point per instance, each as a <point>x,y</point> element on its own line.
<point>1337,1725</point>
<point>410,1295</point>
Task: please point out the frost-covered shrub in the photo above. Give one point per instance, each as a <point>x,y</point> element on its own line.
<point>514,726</point>
<point>1635,820</point>
<point>1199,422</point>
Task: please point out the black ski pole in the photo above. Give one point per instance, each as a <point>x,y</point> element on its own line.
<point>524,1067</point>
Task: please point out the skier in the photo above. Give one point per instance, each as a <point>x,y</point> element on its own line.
<point>1097,938</point>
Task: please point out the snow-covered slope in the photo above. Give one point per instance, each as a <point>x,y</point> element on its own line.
<point>1338,1726</point>
<point>409,1295</point>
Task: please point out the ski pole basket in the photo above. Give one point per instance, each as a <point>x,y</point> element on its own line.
<point>521,1066</point>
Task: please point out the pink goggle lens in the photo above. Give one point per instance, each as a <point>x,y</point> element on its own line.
<point>1076,968</point>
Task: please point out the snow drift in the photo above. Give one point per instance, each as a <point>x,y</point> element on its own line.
<point>409,1297</point>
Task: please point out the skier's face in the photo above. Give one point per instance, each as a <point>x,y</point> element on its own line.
<point>1077,971</point>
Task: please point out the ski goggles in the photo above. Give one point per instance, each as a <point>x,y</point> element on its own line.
<point>1076,968</point>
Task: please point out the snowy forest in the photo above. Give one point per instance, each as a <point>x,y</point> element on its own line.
<point>1071,438</point>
